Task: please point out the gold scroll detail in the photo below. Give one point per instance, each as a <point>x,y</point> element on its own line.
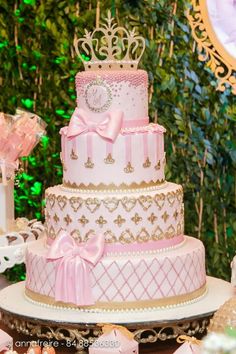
<point>75,203</point>
<point>61,201</point>
<point>76,235</point>
<point>166,301</point>
<point>112,203</point>
<point>127,236</point>
<point>210,48</point>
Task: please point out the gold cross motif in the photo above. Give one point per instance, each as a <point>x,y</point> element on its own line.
<point>136,218</point>
<point>119,221</point>
<point>83,220</point>
<point>67,219</point>
<point>56,218</point>
<point>152,218</point>
<point>101,221</point>
<point>165,216</point>
<point>47,215</point>
<point>176,214</point>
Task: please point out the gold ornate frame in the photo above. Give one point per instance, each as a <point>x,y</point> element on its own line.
<point>211,50</point>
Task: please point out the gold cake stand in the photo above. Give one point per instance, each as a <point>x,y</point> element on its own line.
<point>78,328</point>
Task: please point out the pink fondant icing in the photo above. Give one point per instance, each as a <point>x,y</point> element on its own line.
<point>145,247</point>
<point>118,90</point>
<point>131,147</point>
<point>117,279</point>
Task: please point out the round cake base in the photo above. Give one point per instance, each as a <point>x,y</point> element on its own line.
<point>81,327</point>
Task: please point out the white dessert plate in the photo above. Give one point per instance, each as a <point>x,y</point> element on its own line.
<point>13,301</point>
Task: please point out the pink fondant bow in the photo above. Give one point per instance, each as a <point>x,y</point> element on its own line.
<point>73,267</point>
<point>108,129</point>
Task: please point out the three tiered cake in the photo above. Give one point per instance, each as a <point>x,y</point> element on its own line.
<point>115,227</point>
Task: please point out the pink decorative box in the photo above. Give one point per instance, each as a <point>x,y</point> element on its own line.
<point>190,345</point>
<point>114,340</point>
<point>6,341</point>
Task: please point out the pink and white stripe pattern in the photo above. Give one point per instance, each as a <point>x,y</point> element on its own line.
<point>131,146</point>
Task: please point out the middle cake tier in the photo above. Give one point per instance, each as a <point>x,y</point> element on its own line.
<point>134,220</point>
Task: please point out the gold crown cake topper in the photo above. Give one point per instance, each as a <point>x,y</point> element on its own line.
<point>110,47</point>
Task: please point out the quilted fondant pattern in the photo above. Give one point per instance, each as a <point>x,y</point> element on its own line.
<point>142,277</point>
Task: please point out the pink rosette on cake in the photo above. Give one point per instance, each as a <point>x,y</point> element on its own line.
<point>19,135</point>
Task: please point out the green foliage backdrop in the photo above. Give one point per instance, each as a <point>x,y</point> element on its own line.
<point>37,69</point>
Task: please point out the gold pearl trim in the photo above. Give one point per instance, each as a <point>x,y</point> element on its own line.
<point>112,187</point>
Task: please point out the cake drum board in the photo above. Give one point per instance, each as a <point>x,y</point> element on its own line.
<point>218,292</point>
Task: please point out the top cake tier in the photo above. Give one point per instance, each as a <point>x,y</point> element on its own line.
<point>103,92</point>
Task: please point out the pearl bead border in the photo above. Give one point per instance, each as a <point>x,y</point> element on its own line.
<point>97,310</point>
<point>150,128</point>
<point>150,252</point>
<point>137,253</point>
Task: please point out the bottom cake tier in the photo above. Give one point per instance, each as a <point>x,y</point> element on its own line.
<point>138,280</point>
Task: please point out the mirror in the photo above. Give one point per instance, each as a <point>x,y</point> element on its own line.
<point>213,24</point>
